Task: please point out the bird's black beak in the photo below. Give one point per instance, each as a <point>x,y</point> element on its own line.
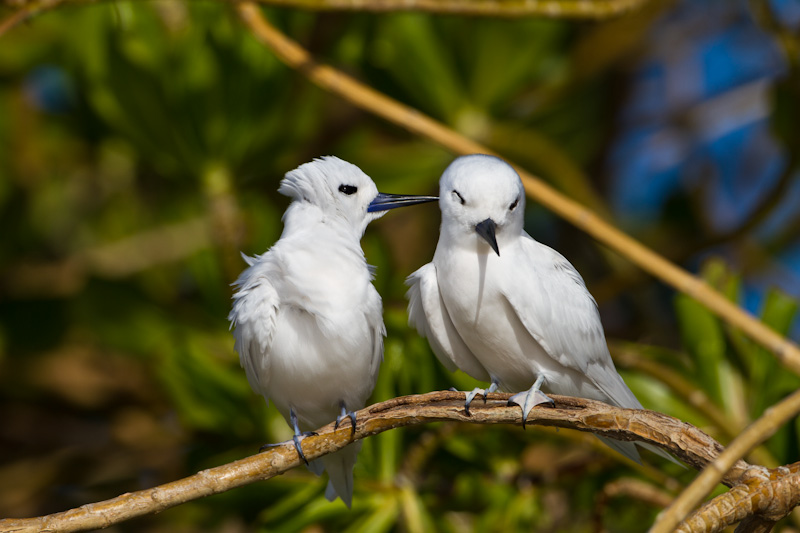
<point>384,202</point>
<point>486,230</point>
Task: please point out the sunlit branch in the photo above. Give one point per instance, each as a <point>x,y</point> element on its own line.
<point>579,9</point>
<point>683,440</point>
<point>759,431</point>
<point>556,9</point>
<point>763,497</point>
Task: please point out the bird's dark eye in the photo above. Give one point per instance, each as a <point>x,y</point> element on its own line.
<point>460,198</point>
<point>348,189</point>
<point>514,204</point>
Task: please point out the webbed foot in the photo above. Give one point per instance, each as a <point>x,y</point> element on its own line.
<point>527,400</point>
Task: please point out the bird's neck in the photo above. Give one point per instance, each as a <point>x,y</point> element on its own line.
<point>301,216</point>
<point>319,228</point>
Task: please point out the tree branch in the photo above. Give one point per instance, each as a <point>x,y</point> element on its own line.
<point>364,97</point>
<point>555,9</point>
<point>682,440</point>
<point>759,431</point>
<point>631,488</point>
<point>763,499</point>
<point>626,356</point>
<point>577,9</point>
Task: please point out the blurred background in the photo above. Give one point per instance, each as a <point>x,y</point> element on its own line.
<point>141,146</point>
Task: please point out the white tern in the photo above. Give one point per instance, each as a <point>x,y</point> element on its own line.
<point>505,308</point>
<point>306,319</point>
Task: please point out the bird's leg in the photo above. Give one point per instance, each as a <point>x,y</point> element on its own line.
<point>474,392</point>
<point>296,438</point>
<point>298,435</point>
<point>530,398</point>
<point>344,413</point>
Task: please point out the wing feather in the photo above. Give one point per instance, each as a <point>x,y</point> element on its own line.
<point>428,314</point>
<point>563,318</point>
<point>253,319</point>
<point>374,316</point>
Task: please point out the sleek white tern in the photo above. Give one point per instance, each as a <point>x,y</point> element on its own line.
<point>505,308</point>
<point>306,318</point>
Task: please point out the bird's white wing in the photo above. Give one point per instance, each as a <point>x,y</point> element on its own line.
<point>559,312</point>
<point>374,315</point>
<point>253,318</point>
<point>428,314</point>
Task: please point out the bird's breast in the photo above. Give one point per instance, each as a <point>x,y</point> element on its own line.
<point>326,277</point>
<point>472,289</point>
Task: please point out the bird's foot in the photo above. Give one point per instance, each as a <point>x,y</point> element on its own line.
<point>296,439</point>
<point>474,392</point>
<point>346,414</point>
<point>528,399</point>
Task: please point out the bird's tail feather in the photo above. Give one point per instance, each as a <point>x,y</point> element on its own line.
<point>340,471</point>
<point>628,449</point>
<point>317,467</point>
<point>658,451</point>
<point>620,395</point>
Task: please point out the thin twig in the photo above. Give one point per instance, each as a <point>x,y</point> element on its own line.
<point>575,9</point>
<point>409,118</point>
<point>683,440</point>
<point>759,431</point>
<point>555,9</point>
<point>632,488</point>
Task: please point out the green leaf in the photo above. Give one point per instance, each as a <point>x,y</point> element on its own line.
<point>702,336</point>
<point>291,504</point>
<point>384,517</point>
<point>779,311</point>
<point>411,44</point>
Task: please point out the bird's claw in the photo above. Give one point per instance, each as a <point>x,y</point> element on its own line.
<point>352,416</point>
<point>264,447</point>
<point>296,439</point>
<point>474,392</point>
<point>471,396</point>
<point>527,400</point>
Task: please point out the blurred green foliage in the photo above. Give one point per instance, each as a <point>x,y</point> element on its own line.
<point>128,188</point>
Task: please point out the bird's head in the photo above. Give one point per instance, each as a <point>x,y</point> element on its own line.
<point>481,197</point>
<point>342,191</point>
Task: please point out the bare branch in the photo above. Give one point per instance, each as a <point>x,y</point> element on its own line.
<point>409,118</point>
<point>631,488</point>
<point>759,431</point>
<point>683,440</point>
<point>577,9</point>
<point>556,9</point>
